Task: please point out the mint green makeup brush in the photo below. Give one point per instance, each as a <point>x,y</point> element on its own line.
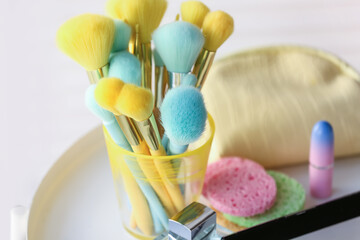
<point>183,115</point>
<point>178,44</point>
<point>125,66</point>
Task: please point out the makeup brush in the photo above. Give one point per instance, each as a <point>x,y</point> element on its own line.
<point>110,123</point>
<point>217,27</point>
<point>88,39</point>
<point>121,37</point>
<point>147,14</point>
<point>125,66</point>
<point>194,12</point>
<point>189,80</point>
<point>142,217</point>
<point>179,44</point>
<point>107,95</point>
<point>137,103</point>
<point>183,114</point>
<point>160,74</point>
<point>108,119</point>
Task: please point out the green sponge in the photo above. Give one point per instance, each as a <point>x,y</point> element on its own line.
<point>290,199</point>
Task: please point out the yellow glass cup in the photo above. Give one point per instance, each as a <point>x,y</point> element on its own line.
<point>143,193</point>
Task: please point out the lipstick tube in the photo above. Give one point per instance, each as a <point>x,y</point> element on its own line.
<point>321,160</point>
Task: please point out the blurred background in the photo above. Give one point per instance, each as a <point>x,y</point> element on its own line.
<point>41,98</point>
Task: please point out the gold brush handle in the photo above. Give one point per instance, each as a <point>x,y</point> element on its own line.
<point>202,66</point>
<point>169,176</point>
<point>153,176</point>
<point>159,82</point>
<point>95,75</point>
<point>146,65</point>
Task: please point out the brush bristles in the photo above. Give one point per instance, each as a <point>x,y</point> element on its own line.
<point>87,39</point>
<point>189,80</point>
<point>194,12</point>
<point>135,102</point>
<point>217,27</point>
<point>125,66</point>
<point>94,107</point>
<point>120,98</point>
<point>107,92</point>
<point>121,37</point>
<point>179,44</point>
<point>158,61</point>
<point>183,114</point>
<point>113,9</point>
<point>146,13</point>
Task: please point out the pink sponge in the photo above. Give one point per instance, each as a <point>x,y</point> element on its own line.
<point>239,187</point>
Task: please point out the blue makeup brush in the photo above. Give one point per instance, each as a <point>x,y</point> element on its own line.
<point>183,114</point>
<point>125,66</point>
<point>121,37</point>
<point>160,218</point>
<point>189,80</point>
<point>178,44</point>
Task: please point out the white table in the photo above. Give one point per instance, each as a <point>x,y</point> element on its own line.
<point>41,98</point>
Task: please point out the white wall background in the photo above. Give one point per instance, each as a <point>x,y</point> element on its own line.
<point>41,95</point>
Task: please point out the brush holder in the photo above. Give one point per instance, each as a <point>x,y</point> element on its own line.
<point>138,194</point>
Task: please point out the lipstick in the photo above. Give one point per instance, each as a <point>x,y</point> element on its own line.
<point>321,160</point>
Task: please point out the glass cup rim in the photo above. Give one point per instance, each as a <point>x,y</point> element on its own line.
<point>169,157</point>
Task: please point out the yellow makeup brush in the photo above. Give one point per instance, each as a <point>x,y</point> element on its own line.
<point>137,103</point>
<point>88,39</point>
<point>148,14</point>
<point>216,28</point>
<point>108,94</point>
<point>194,12</point>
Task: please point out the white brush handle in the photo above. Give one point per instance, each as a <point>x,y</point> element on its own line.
<point>18,223</point>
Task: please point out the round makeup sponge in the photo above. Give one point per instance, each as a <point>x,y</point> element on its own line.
<point>125,66</point>
<point>239,187</point>
<point>290,199</point>
<point>183,114</point>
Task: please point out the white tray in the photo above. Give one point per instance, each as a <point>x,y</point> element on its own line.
<point>76,199</point>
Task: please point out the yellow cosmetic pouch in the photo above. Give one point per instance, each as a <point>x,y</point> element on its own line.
<point>266,101</point>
